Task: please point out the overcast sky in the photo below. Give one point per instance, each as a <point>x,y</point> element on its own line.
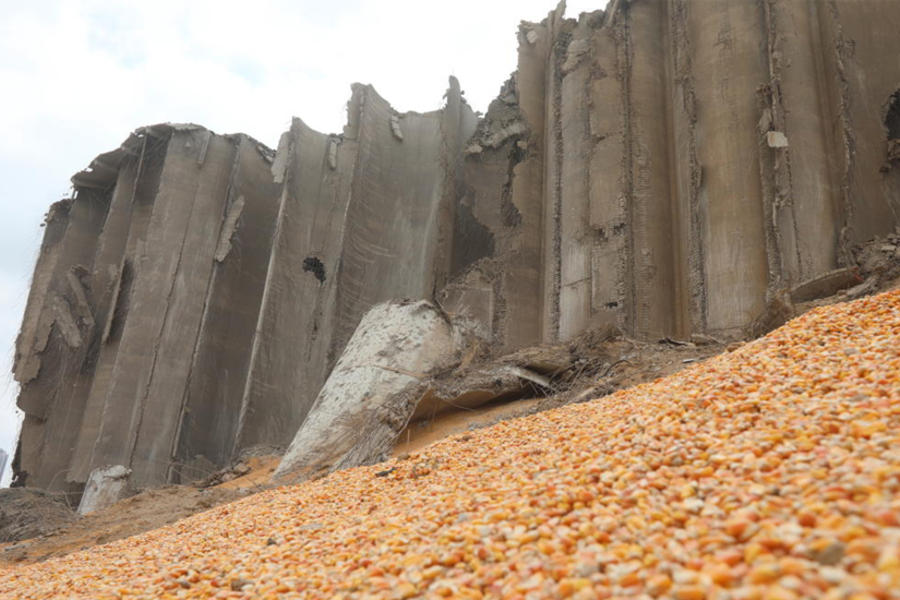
<point>77,76</point>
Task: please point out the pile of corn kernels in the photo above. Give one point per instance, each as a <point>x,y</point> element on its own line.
<point>771,472</point>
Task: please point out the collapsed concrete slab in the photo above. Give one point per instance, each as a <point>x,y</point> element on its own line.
<point>677,169</point>
<point>374,389</point>
<point>478,388</point>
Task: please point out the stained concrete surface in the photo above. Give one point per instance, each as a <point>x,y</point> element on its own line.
<point>674,168</point>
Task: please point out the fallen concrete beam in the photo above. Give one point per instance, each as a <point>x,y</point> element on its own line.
<point>825,285</point>
<point>374,389</point>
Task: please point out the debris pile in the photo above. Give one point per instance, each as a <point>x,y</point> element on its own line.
<point>29,513</point>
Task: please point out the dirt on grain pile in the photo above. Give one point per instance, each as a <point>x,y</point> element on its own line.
<point>770,472</point>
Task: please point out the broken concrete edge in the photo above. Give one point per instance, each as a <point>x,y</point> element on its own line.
<point>504,120</point>
<point>103,170</point>
<point>494,130</point>
<point>528,374</point>
<point>381,384</point>
<point>228,229</point>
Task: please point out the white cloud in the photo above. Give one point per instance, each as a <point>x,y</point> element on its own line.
<point>79,75</point>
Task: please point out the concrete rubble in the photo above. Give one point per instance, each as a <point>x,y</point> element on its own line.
<point>105,487</point>
<point>674,169</point>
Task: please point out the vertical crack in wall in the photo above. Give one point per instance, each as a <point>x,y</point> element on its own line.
<point>785,233</point>
<point>698,271</point>
<point>840,51</point>
<point>121,302</point>
<point>623,68</point>
<point>892,118</point>
<point>771,119</point>
<point>680,226</point>
<point>555,138</point>
<point>892,153</point>
<point>683,67</point>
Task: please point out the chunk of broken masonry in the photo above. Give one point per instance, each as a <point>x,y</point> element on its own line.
<point>776,139</point>
<point>374,388</point>
<point>105,487</point>
<point>825,285</point>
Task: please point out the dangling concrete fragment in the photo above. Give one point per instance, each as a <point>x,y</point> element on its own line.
<point>332,153</point>
<point>395,128</point>
<point>776,139</point>
<point>228,229</point>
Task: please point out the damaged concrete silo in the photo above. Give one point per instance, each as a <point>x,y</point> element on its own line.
<point>128,289</point>
<point>636,181</point>
<point>667,167</point>
<point>192,297</point>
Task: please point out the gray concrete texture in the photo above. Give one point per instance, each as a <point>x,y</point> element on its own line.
<point>667,167</point>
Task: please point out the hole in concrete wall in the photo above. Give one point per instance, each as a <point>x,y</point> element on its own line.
<point>120,312</point>
<point>892,123</point>
<point>471,240</point>
<point>19,476</point>
<point>892,118</point>
<point>312,264</point>
<point>508,210</point>
<point>612,305</point>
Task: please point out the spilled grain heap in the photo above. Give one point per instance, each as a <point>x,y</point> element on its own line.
<point>769,472</point>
